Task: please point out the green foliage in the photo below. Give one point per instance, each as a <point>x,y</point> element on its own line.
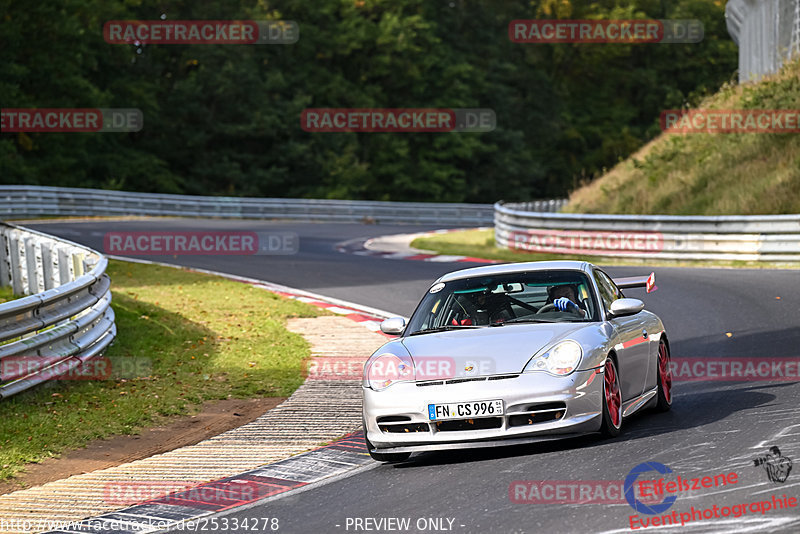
<point>225,119</point>
<point>710,174</point>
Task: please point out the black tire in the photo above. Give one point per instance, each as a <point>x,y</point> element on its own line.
<point>608,427</point>
<point>385,457</point>
<point>664,378</point>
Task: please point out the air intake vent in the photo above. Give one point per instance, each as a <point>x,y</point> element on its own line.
<point>469,424</point>
<point>393,419</point>
<point>461,380</point>
<point>502,377</point>
<point>539,413</point>
<point>546,406</point>
<point>399,428</point>
<point>423,384</point>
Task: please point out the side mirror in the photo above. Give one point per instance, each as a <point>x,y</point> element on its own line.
<point>396,325</point>
<point>625,307</point>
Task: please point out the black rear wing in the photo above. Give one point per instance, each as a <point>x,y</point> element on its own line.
<point>648,282</point>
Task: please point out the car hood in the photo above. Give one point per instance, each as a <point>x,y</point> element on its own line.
<point>483,351</point>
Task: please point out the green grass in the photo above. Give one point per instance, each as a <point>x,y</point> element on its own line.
<point>481,244</point>
<point>200,338</point>
<point>710,174</point>
<point>6,294</point>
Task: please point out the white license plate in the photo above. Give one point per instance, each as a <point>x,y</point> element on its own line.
<point>465,410</point>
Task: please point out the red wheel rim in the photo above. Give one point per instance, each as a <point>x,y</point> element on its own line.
<point>664,372</point>
<point>613,396</point>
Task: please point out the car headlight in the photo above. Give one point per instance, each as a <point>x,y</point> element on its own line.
<point>561,359</point>
<point>387,369</point>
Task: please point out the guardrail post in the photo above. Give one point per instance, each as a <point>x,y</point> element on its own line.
<point>77,264</point>
<point>17,286</point>
<point>64,271</point>
<point>5,260</point>
<point>47,266</point>
<point>30,264</point>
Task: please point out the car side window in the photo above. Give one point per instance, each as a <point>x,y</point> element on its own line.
<point>608,290</point>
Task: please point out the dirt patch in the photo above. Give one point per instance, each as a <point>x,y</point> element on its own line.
<point>215,418</point>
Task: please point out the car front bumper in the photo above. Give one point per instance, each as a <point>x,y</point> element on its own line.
<point>396,419</point>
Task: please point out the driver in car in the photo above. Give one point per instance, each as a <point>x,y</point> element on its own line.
<point>564,298</point>
<point>483,308</point>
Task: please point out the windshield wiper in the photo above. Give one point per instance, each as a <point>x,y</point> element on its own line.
<point>444,328</point>
<point>523,320</point>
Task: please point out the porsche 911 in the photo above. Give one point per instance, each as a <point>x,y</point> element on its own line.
<point>515,353</point>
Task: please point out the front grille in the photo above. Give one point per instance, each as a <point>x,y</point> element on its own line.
<point>459,425</point>
<point>461,380</point>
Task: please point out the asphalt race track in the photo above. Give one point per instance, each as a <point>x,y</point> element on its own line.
<point>714,427</point>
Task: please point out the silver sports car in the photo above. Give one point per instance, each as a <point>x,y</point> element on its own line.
<point>515,353</point>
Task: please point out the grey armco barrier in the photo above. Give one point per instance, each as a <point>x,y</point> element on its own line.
<point>65,319</point>
<point>773,238</point>
<point>22,201</point>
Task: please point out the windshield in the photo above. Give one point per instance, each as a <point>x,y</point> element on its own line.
<point>498,300</point>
